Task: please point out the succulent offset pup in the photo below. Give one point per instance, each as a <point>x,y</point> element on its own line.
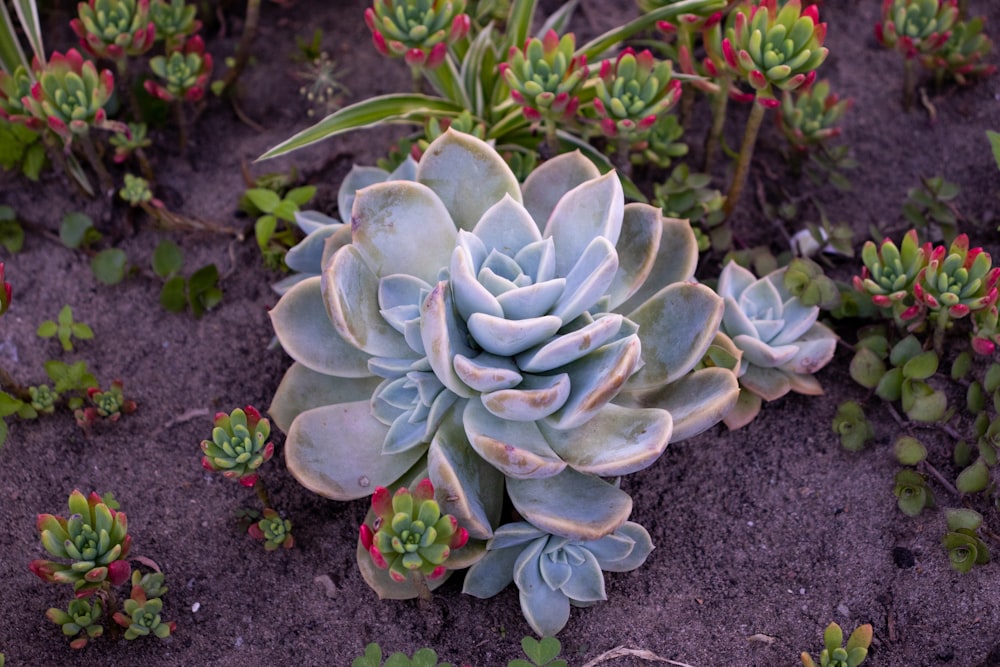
<point>502,339</point>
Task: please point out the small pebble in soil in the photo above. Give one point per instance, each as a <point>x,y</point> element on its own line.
<point>195,607</point>
<point>903,557</point>
<point>329,588</point>
<point>843,610</point>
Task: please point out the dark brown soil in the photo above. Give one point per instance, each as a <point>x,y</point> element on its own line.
<point>763,535</point>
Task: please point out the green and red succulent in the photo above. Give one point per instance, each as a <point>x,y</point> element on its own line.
<point>109,405</point>
<point>239,445</point>
<point>69,95</point>
<point>184,73</point>
<point>545,77</point>
<point>140,616</point>
<point>419,31</point>
<point>916,27</point>
<point>94,537</point>
<point>81,620</point>
<point>174,20</point>
<point>809,116</point>
<point>634,92</point>
<point>273,530</point>
<point>114,29</point>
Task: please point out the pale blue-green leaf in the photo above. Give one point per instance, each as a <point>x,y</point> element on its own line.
<point>555,572</point>
<point>486,372</point>
<point>405,434</point>
<point>517,449</point>
<point>613,548</point>
<point>745,410</point>
<point>734,280</point>
<point>469,293</point>
<point>587,582</point>
<point>798,319</point>
<point>307,255</point>
<point>468,176</point>
<point>757,353</point>
<point>588,280</point>
<point>596,379</point>
<point>538,260</point>
<point>570,346</point>
<point>506,338</point>
<point>305,332</point>
<point>466,486</point>
<point>805,384</point>
<point>532,300</point>
<point>552,179</point>
<point>676,327</point>
<point>443,339</point>
<point>288,282</point>
<point>303,389</point>
<point>637,248</point>
<point>735,322</point>
<point>816,348</point>
<point>591,209</point>
<point>507,226</point>
<point>515,534</point>
<point>571,504</point>
<point>409,108</point>
<point>493,573</point>
<point>335,451</point>
<point>761,300</point>
<point>358,177</point>
<point>537,397</point>
<point>351,293</point>
<point>768,383</point>
<point>402,227</point>
<point>696,401</point>
<point>545,610</point>
<point>310,221</point>
<point>675,261</point>
<point>642,546</point>
<point>615,441</point>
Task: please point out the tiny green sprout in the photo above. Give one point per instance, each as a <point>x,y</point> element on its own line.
<point>239,445</point>
<point>965,549</point>
<point>275,210</point>
<point>70,378</point>
<point>912,492</point>
<point>852,426</point>
<point>65,329</point>
<point>835,655</point>
<point>80,620</point>
<point>273,530</point>
<point>372,657</point>
<point>108,405</point>
<point>130,141</point>
<point>43,399</point>
<point>909,451</point>
<point>975,399</point>
<point>141,616</point>
<point>542,653</point>
<point>688,196</point>
<point>151,583</point>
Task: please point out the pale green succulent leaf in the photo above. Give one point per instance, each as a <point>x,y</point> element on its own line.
<point>797,319</point>
<point>546,185</point>
<point>305,332</point>
<point>466,486</point>
<point>745,410</point>
<point>335,451</point>
<point>467,175</point>
<point>637,248</point>
<point>696,401</point>
<point>676,327</point>
<point>615,441</point>
<point>570,346</point>
<point>816,348</point>
<point>443,339</point>
<point>516,448</point>
<point>487,372</point>
<point>768,383</point>
<point>402,226</point>
<point>537,397</point>
<point>758,353</point>
<point>676,259</point>
<point>303,389</point>
<point>351,295</point>
<point>590,210</point>
<point>507,226</point>
<point>595,380</point>
<point>588,278</point>
<point>642,546</point>
<point>492,573</point>
<point>307,255</point>
<point>571,504</point>
<point>546,610</point>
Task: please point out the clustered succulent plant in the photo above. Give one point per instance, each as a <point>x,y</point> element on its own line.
<point>185,72</point>
<point>510,353</point>
<point>114,29</point>
<point>835,654</point>
<point>781,342</point>
<point>94,537</point>
<point>419,31</point>
<point>239,445</point>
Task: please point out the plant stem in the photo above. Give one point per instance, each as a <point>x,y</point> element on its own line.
<point>746,154</point>
<point>933,472</point>
<point>720,101</point>
<point>624,164</point>
<point>87,144</point>
<point>261,490</point>
<point>940,326</point>
<point>908,84</point>
<point>420,583</point>
<point>243,49</point>
<point>181,124</point>
<point>551,138</point>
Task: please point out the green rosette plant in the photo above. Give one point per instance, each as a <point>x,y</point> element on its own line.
<point>633,92</point>
<point>81,620</point>
<point>410,537</point>
<point>239,445</point>
<point>273,530</point>
<point>114,29</point>
<point>916,29</point>
<point>545,79</point>
<point>781,341</point>
<point>810,116</point>
<point>834,654</point>
<point>553,572</point>
<point>184,73</point>
<point>175,21</point>
<point>14,87</point>
<point>955,282</point>
<point>965,56</point>
<point>512,349</point>
<point>771,47</point>
<point>140,616</point>
<point>890,273</point>
<point>94,537</point>
<point>419,31</point>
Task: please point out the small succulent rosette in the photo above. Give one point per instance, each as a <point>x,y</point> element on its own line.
<point>175,21</point>
<point>775,47</point>
<point>94,537</point>
<point>510,344</point>
<point>553,572</point>
<point>114,29</point>
<point>545,77</point>
<point>809,116</point>
<point>633,93</point>
<point>916,27</point>
<point>184,73</point>
<point>419,31</point>
<point>239,445</point>
<point>890,273</point>
<point>781,341</point>
<point>70,95</point>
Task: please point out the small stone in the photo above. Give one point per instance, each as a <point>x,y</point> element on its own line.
<point>843,610</point>
<point>329,588</point>
<point>195,607</point>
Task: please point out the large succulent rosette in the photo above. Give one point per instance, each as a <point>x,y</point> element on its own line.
<point>505,340</point>
<point>781,341</point>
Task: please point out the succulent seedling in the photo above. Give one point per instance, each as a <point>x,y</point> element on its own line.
<point>834,654</point>
<point>852,426</point>
<point>80,620</point>
<point>915,29</point>
<point>65,329</point>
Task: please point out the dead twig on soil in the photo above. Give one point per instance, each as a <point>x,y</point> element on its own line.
<point>642,654</point>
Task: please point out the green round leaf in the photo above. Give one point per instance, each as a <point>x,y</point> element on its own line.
<point>909,451</point>
<point>108,266</point>
<point>167,259</point>
<point>173,296</point>
<point>973,479</point>
<point>73,229</point>
<point>922,366</point>
<point>963,518</point>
